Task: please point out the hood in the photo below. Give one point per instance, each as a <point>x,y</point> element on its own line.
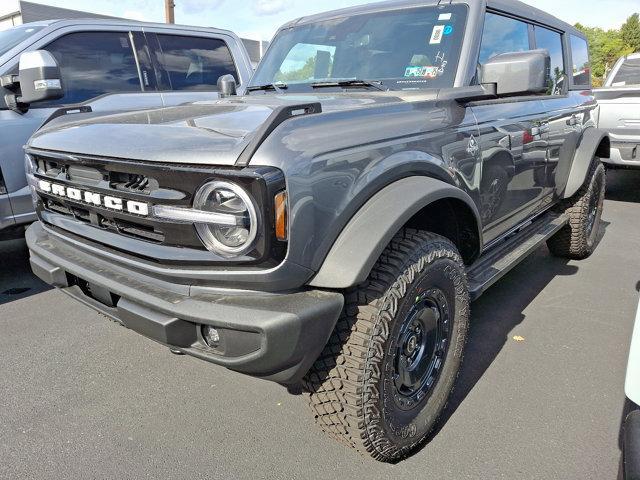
<point>213,133</point>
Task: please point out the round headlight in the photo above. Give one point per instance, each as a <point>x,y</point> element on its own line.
<point>231,200</point>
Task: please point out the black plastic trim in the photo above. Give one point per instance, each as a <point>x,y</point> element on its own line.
<point>168,243</point>
<point>278,116</point>
<point>272,336</point>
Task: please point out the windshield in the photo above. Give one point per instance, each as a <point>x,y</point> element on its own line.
<point>13,36</point>
<point>629,73</point>
<point>404,49</point>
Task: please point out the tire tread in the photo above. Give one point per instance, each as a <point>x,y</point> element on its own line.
<point>343,380</point>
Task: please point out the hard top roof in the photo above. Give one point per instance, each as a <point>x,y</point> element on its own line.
<point>514,7</point>
<point>127,23</point>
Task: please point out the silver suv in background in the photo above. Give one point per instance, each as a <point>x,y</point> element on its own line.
<point>106,66</point>
<point>619,102</point>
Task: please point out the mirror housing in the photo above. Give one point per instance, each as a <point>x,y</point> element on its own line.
<point>227,86</point>
<point>518,73</point>
<point>39,79</point>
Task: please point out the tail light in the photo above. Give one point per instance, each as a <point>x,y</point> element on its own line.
<point>527,137</point>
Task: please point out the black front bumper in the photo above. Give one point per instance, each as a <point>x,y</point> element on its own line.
<point>273,336</point>
<point>632,446</point>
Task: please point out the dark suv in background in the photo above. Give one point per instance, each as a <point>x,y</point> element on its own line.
<point>389,163</point>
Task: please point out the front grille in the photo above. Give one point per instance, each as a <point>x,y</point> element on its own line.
<point>132,182</point>
<point>150,183</point>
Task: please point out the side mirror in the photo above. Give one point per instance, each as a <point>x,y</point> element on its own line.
<point>38,79</point>
<point>227,86</point>
<point>518,73</point>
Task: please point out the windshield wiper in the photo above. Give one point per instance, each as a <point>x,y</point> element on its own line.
<point>276,86</point>
<point>351,83</point>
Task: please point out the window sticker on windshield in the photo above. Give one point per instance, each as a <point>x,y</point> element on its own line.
<point>423,72</point>
<point>124,42</point>
<point>436,35</point>
<point>444,17</point>
<point>448,30</point>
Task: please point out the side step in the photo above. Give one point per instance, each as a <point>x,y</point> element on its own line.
<point>499,260</point>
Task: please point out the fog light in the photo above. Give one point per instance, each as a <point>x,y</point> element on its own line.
<point>211,336</point>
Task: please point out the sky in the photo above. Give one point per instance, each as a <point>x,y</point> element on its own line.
<point>259,19</point>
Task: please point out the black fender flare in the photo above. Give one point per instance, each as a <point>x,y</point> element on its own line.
<point>362,241</point>
<point>588,148</point>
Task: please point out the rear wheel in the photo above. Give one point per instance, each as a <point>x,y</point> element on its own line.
<point>391,363</point>
<point>577,240</point>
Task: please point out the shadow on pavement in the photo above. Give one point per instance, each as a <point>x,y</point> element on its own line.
<point>16,279</point>
<point>622,185</point>
<point>496,314</point>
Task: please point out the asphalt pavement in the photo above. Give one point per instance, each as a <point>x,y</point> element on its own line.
<point>82,397</point>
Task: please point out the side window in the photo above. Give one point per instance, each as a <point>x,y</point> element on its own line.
<point>552,41</point>
<point>94,63</point>
<point>628,74</point>
<point>194,63</point>
<point>581,65</point>
<point>503,35</point>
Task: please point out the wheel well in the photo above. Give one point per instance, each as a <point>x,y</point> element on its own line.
<point>604,149</point>
<point>453,219</point>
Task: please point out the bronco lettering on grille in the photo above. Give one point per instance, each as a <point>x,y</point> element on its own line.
<point>92,198</point>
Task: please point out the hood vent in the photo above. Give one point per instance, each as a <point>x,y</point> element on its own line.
<point>277,117</point>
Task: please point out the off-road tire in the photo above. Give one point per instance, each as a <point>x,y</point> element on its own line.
<point>577,240</point>
<point>351,383</point>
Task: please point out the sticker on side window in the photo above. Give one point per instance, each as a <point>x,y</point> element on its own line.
<point>436,35</point>
<point>124,42</point>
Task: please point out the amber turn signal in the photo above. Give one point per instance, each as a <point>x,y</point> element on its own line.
<point>281,215</point>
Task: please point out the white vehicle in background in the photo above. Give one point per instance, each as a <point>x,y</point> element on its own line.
<point>632,423</point>
<point>619,102</point>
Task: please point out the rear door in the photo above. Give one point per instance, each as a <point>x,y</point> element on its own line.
<point>189,64</point>
<point>564,120</point>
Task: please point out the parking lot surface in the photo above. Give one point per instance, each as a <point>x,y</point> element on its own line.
<point>82,397</point>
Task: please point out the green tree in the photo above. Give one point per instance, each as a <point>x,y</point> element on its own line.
<point>305,72</point>
<point>606,47</point>
<point>630,32</point>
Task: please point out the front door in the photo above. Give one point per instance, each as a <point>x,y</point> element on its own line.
<point>514,134</point>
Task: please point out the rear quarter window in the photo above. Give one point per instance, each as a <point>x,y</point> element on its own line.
<point>581,63</point>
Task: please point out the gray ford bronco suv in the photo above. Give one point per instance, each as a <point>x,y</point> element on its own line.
<point>330,228</point>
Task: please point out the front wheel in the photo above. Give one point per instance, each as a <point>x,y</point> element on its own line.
<point>391,363</point>
<point>578,239</point>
